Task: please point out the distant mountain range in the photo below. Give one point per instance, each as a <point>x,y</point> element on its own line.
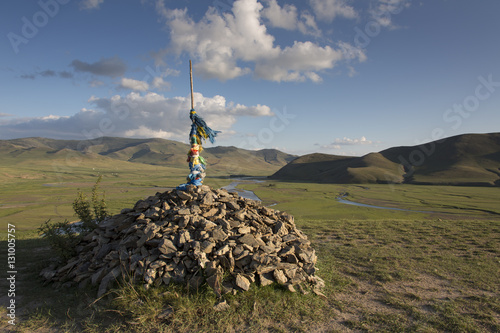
<point>221,160</point>
<point>469,159</point>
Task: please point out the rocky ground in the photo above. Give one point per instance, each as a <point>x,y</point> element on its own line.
<point>201,235</point>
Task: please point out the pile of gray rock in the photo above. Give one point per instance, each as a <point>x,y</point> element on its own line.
<point>201,235</point>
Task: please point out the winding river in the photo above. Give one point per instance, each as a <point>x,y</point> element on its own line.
<point>244,193</point>
<point>348,202</point>
<point>233,187</point>
<point>251,195</point>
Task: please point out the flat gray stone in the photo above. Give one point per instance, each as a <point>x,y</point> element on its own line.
<point>242,282</point>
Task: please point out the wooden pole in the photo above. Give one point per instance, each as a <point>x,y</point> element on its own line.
<point>191,81</point>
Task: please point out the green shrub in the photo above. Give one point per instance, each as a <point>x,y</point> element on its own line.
<point>64,236</point>
<point>93,211</point>
<point>81,206</point>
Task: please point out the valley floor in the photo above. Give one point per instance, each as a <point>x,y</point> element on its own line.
<point>385,270</point>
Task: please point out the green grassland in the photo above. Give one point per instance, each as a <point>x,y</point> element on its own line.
<point>385,270</point>
<point>319,200</point>
<point>37,190</point>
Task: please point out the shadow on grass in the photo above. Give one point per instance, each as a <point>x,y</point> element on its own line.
<point>42,307</point>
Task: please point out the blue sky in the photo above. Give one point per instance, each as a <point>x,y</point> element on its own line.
<point>344,77</point>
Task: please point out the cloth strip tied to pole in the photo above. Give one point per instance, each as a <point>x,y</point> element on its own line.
<point>199,132</point>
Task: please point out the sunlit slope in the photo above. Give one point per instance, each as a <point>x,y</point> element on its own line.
<point>111,151</point>
<point>469,159</point>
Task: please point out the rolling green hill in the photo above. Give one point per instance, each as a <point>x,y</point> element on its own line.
<point>469,159</point>
<point>120,152</point>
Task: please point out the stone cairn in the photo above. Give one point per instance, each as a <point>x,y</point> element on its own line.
<point>200,235</point>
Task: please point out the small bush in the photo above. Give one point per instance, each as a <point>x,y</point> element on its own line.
<point>81,206</point>
<point>62,237</point>
<point>93,211</point>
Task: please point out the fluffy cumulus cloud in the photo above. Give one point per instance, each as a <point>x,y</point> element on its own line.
<point>285,17</point>
<point>290,18</point>
<point>237,42</point>
<point>328,10</point>
<point>299,62</point>
<point>132,84</point>
<point>134,115</point>
<point>232,39</point>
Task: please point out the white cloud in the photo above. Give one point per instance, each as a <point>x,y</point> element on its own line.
<point>134,115</point>
<point>254,111</point>
<point>288,17</point>
<point>298,62</point>
<point>329,146</point>
<point>132,84</point>
<point>160,84</point>
<point>383,11</point>
<point>307,25</point>
<point>279,17</point>
<point>347,141</point>
<point>226,46</point>
<point>352,52</point>
<point>96,83</point>
<point>351,71</point>
<point>338,143</point>
<point>328,10</point>
<point>52,117</point>
<point>313,77</point>
<point>90,4</point>
<point>145,132</point>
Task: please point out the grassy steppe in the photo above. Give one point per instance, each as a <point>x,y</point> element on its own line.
<point>318,200</point>
<point>38,191</point>
<point>389,271</point>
